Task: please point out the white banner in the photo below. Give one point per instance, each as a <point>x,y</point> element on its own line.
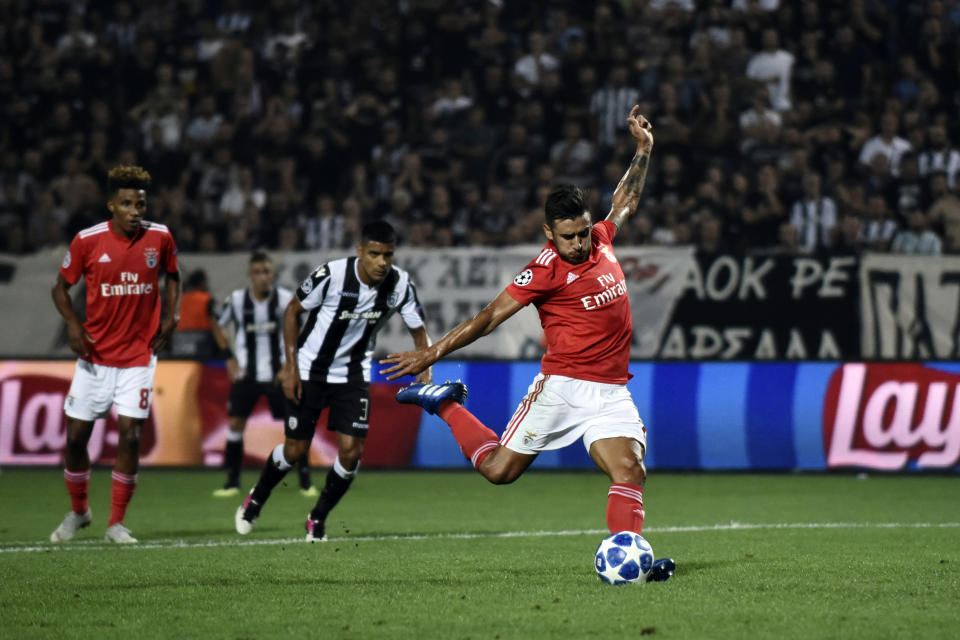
<point>32,328</point>
<point>453,285</point>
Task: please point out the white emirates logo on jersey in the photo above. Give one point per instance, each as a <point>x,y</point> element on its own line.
<point>523,278</point>
<point>613,290</point>
<point>130,285</point>
<point>104,258</point>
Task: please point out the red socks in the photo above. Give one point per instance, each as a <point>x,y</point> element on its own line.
<point>625,508</point>
<point>475,439</point>
<point>78,486</point>
<point>123,488</point>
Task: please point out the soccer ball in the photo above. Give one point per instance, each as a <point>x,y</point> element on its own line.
<point>623,558</point>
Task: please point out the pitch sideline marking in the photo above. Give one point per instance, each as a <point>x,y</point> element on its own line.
<point>96,545</point>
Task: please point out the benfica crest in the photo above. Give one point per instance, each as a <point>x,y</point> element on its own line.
<point>151,257</point>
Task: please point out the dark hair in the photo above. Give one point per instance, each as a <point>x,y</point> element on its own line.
<point>565,202</point>
<point>260,256</point>
<point>196,280</point>
<point>127,177</point>
<point>378,231</point>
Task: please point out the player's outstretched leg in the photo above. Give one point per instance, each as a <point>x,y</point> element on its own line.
<point>476,440</point>
<point>432,396</point>
<point>273,472</point>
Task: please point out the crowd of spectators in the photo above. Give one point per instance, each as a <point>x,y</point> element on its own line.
<point>803,126</point>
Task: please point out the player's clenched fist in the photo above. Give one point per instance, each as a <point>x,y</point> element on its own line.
<point>640,129</point>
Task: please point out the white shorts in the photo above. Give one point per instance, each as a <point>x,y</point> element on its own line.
<point>96,387</point>
<point>558,410</point>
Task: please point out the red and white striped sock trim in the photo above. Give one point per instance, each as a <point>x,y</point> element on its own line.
<point>124,478</point>
<point>482,452</point>
<point>628,491</point>
<point>76,476</point>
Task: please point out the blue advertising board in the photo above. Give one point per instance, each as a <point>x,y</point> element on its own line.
<point>739,415</point>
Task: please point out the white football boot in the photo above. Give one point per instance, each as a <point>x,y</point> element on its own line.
<point>72,522</point>
<point>120,534</point>
<point>246,515</point>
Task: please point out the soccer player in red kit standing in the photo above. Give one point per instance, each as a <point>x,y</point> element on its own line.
<point>580,293</point>
<point>120,261</point>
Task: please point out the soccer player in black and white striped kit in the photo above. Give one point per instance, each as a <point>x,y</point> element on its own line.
<point>328,365</point>
<point>256,312</point>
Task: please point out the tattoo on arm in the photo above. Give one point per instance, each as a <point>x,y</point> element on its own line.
<point>627,194</point>
<point>636,176</point>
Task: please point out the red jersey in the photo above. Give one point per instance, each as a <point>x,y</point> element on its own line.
<point>123,293</point>
<point>584,310</point>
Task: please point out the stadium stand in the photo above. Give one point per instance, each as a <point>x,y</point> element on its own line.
<point>287,125</point>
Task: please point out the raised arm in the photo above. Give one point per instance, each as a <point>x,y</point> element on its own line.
<point>414,362</point>
<point>627,194</point>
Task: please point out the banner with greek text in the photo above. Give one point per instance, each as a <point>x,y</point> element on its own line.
<point>722,307</point>
<point>756,307</point>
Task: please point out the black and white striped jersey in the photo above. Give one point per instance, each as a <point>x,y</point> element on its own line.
<point>337,341</point>
<point>258,345</point>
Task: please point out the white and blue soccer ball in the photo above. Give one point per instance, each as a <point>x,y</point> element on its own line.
<point>623,558</point>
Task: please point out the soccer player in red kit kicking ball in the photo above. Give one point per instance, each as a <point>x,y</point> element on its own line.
<point>120,261</point>
<point>580,293</point>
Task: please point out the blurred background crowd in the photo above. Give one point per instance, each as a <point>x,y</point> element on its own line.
<point>806,126</point>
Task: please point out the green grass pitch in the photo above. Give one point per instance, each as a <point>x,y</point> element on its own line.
<point>446,555</point>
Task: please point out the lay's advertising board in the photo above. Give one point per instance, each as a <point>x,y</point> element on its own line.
<point>709,416</point>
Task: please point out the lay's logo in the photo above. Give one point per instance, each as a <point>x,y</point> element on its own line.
<point>33,430</point>
<point>881,416</point>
